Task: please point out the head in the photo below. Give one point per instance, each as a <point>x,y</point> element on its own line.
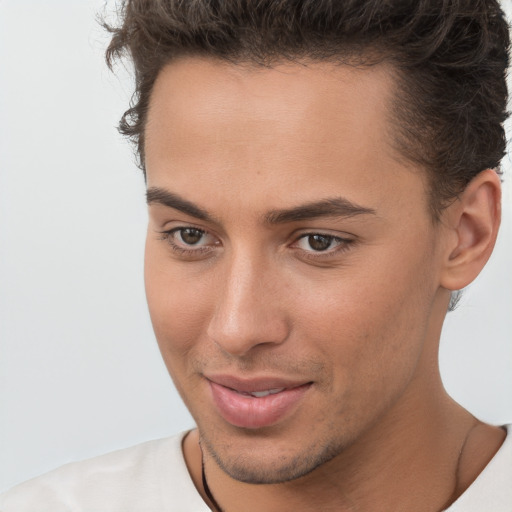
<point>449,59</point>
<point>319,178</point>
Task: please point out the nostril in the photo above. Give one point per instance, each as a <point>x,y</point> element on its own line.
<point>238,335</point>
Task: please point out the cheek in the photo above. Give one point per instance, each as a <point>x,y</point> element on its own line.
<point>358,333</point>
<point>177,302</point>
<point>371,327</point>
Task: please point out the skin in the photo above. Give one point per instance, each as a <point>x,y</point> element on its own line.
<point>359,320</point>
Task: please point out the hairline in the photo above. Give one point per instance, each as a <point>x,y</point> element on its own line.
<point>361,59</point>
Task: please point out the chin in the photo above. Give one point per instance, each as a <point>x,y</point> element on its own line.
<point>257,466</point>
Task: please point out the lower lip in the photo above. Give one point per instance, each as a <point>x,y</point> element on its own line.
<point>253,412</point>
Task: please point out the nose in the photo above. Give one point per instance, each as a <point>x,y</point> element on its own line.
<point>249,311</point>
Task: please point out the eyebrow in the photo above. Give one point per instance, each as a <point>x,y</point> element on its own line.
<point>157,195</point>
<point>331,207</point>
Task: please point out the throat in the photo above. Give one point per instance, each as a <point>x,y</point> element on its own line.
<point>206,487</point>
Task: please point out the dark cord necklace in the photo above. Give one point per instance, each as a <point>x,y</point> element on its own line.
<point>206,487</point>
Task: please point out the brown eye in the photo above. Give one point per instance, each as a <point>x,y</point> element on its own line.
<point>190,236</point>
<point>190,243</point>
<point>320,242</point>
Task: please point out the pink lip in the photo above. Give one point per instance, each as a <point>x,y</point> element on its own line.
<point>246,411</point>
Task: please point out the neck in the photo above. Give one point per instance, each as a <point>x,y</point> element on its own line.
<point>390,467</point>
<point>420,455</point>
<point>424,464</point>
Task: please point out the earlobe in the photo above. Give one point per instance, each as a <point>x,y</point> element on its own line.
<point>474,221</point>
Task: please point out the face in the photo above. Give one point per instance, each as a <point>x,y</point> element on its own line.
<point>290,262</point>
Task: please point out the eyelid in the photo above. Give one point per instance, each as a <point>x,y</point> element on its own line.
<point>301,233</point>
<point>344,244</point>
<point>184,250</point>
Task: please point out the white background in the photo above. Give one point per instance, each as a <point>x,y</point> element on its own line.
<point>80,373</point>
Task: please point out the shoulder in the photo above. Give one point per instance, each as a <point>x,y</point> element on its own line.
<point>492,489</point>
<point>142,477</point>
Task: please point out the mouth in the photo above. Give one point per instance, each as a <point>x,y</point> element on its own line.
<point>261,394</point>
<point>256,403</point>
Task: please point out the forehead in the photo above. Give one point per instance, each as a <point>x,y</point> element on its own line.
<point>299,128</point>
<point>311,98</point>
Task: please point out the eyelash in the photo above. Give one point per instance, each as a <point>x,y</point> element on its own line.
<point>167,236</point>
<point>344,244</point>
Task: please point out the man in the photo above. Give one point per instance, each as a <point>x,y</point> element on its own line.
<point>321,177</point>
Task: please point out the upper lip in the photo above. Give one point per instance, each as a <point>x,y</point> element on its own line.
<point>246,385</point>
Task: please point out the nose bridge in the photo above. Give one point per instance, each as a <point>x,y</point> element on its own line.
<point>247,311</point>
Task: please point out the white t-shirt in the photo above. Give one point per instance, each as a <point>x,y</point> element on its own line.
<point>153,477</point>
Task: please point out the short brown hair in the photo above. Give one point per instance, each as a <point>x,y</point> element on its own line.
<point>450,56</point>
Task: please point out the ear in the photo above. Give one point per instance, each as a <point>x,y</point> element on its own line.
<point>473,221</point>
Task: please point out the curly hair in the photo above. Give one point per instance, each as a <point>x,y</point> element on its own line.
<point>450,58</point>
